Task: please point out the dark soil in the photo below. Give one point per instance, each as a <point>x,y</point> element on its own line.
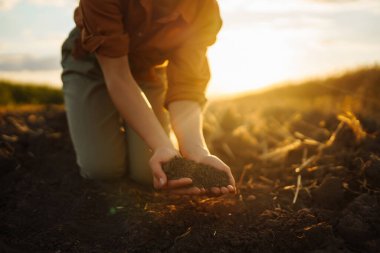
<point>202,175</point>
<point>47,207</point>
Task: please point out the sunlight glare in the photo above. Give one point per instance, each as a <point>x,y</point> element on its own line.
<point>243,60</point>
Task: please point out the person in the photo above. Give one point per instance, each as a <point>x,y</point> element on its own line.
<point>131,70</point>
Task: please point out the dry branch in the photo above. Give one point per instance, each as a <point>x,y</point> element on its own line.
<point>350,119</point>
<point>281,152</point>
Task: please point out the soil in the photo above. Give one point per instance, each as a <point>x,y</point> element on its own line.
<point>331,204</point>
<point>202,175</point>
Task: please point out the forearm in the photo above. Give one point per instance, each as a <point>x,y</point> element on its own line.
<point>186,119</point>
<point>131,102</point>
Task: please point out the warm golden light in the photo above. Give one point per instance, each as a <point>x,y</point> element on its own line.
<point>266,42</point>
<point>244,60</point>
<point>261,42</point>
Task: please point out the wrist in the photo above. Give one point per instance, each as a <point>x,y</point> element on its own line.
<point>161,140</point>
<point>163,146</point>
<point>194,152</point>
<point>158,139</point>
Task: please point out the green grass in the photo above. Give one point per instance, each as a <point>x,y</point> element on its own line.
<point>12,93</point>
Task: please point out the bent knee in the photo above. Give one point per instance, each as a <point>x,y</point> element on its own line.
<point>102,170</point>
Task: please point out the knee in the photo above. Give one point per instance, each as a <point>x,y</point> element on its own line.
<point>102,170</point>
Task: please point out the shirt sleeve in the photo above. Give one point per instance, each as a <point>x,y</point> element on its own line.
<point>188,74</point>
<point>188,69</point>
<point>102,27</point>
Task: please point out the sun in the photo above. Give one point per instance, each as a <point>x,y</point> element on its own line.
<point>249,59</point>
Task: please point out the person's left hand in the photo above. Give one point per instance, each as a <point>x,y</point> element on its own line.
<point>215,162</point>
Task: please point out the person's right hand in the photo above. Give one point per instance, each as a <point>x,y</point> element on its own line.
<point>160,181</point>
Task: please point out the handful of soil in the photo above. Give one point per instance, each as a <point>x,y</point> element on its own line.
<point>202,175</point>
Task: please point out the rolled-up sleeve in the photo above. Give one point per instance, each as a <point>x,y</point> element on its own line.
<point>188,74</point>
<point>188,69</point>
<point>102,27</point>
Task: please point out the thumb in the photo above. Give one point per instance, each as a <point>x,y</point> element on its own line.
<point>159,176</point>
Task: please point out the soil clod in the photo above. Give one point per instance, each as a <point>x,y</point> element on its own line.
<point>202,175</point>
<point>330,193</point>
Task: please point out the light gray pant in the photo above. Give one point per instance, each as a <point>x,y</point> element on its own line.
<point>103,150</point>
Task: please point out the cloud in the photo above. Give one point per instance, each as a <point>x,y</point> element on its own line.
<point>6,5</point>
<point>38,77</point>
<point>296,6</point>
<point>310,14</point>
<point>34,43</point>
<point>333,1</point>
<point>26,68</point>
<point>58,3</point>
<point>15,62</point>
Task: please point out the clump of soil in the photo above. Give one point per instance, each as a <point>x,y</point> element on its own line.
<point>330,194</point>
<point>202,175</point>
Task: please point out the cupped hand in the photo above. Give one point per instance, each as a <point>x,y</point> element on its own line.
<point>160,182</point>
<point>215,162</point>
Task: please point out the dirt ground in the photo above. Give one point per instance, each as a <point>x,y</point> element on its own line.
<point>308,181</point>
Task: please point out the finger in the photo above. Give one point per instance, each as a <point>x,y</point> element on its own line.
<point>186,191</point>
<point>203,190</point>
<point>232,180</point>
<point>156,184</point>
<point>230,176</point>
<point>224,190</point>
<point>219,164</point>
<point>159,176</point>
<point>216,163</point>
<point>224,167</point>
<point>215,190</point>
<point>177,183</point>
<point>231,189</point>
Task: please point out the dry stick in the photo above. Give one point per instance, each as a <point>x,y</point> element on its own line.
<point>299,177</point>
<point>20,126</point>
<point>308,161</point>
<point>242,175</point>
<point>314,158</point>
<point>298,170</point>
<point>354,124</point>
<point>266,180</point>
<point>228,151</point>
<point>280,152</point>
<point>299,185</point>
<point>188,231</point>
<point>304,155</point>
<point>332,138</point>
<point>306,139</point>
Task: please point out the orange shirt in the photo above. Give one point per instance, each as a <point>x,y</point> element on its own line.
<point>152,32</point>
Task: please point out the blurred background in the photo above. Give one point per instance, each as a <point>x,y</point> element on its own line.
<point>261,43</point>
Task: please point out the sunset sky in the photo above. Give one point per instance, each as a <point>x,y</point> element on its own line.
<point>262,41</point>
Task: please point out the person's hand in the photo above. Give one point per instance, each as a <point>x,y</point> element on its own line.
<point>160,181</point>
<point>215,162</point>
